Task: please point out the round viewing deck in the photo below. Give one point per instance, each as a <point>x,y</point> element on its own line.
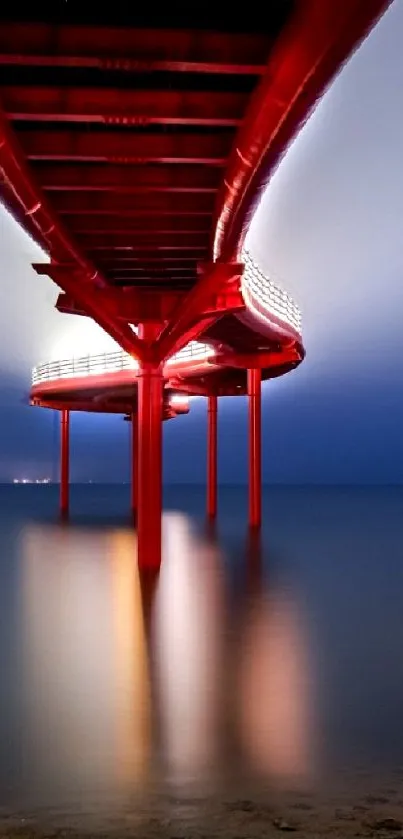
<point>265,320</point>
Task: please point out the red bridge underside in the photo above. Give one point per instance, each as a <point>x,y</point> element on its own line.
<point>134,148</point>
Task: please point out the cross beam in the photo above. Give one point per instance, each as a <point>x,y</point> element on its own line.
<point>181,328</point>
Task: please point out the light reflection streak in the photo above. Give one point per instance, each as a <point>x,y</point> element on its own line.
<point>189,652</point>
<point>85,673</point>
<point>131,670</point>
<point>274,685</point>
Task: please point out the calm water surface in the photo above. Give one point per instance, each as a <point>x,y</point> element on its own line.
<point>280,661</point>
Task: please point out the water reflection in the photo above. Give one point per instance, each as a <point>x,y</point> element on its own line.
<point>189,652</point>
<point>128,679</point>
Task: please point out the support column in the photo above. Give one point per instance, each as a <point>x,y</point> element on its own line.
<point>134,462</point>
<point>64,461</point>
<point>255,447</point>
<point>149,499</point>
<point>212,457</point>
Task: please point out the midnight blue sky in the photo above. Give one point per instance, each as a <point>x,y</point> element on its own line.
<point>329,229</point>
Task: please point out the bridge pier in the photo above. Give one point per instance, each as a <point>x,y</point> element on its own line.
<point>255,447</point>
<point>212,456</point>
<point>134,461</point>
<point>64,461</point>
<point>149,499</point>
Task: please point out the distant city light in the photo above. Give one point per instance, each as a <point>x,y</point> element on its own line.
<point>31,481</point>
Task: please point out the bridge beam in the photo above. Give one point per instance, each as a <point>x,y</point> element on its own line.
<point>255,447</point>
<point>181,328</point>
<point>212,456</point>
<point>64,461</point>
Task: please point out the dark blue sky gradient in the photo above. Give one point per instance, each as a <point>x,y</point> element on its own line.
<point>329,229</point>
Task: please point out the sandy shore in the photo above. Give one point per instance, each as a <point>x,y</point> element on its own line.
<point>360,809</point>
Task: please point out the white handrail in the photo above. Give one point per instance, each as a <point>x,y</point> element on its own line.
<point>113,362</point>
<point>271,299</point>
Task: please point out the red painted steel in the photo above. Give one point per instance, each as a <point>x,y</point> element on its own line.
<point>255,447</point>
<point>73,177</point>
<point>64,461</point>
<point>210,149</point>
<point>212,456</point>
<point>320,38</point>
<point>186,225</point>
<point>178,204</point>
<point>176,333</point>
<point>149,503</point>
<point>125,49</point>
<point>134,462</point>
<point>123,107</point>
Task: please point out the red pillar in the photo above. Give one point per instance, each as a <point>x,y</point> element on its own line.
<point>149,499</point>
<point>212,457</point>
<point>255,447</point>
<point>134,462</point>
<point>64,461</point>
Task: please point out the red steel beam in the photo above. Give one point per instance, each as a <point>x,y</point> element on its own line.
<point>199,203</point>
<point>190,388</point>
<point>151,285</point>
<point>127,49</point>
<point>126,147</point>
<point>154,275</point>
<point>139,233</point>
<point>153,304</point>
<point>140,224</point>
<point>74,404</point>
<point>153,263</point>
<point>97,176</point>
<point>147,253</point>
<point>156,269</point>
<point>138,241</point>
<point>318,41</point>
<point>214,278</point>
<point>120,106</point>
<point>260,360</point>
<point>155,288</point>
<point>190,238</point>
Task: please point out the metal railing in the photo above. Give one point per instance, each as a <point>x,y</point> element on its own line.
<point>270,297</point>
<point>113,362</point>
